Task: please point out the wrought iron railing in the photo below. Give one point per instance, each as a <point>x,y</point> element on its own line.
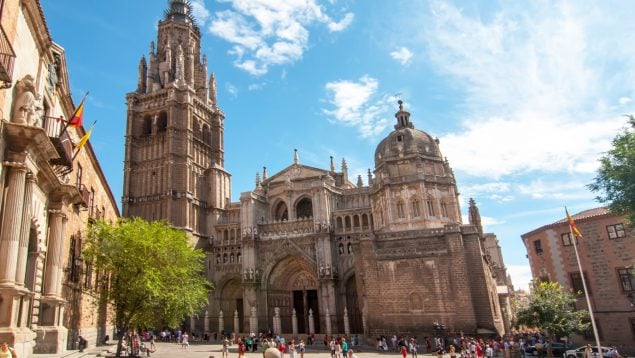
<point>7,58</point>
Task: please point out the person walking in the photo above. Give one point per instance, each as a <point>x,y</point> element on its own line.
<point>404,351</point>
<point>225,353</point>
<point>301,348</point>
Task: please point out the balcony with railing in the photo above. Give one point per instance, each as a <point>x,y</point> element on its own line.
<point>7,58</point>
<point>61,141</point>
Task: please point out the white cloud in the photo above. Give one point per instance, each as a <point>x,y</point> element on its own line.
<point>200,12</point>
<point>521,276</point>
<point>403,55</point>
<point>231,89</point>
<point>488,221</point>
<point>256,86</point>
<point>343,24</point>
<point>538,81</point>
<point>554,190</point>
<point>624,100</point>
<point>358,104</point>
<point>270,32</point>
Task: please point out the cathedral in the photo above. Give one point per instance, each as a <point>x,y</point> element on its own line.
<point>308,250</point>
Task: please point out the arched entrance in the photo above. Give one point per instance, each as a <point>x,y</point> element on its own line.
<point>293,284</point>
<point>352,304</point>
<point>231,300</point>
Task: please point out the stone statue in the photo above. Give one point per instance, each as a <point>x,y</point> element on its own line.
<point>53,69</point>
<point>321,269</point>
<point>26,104</point>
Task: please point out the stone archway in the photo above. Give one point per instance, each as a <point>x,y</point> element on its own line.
<point>230,299</point>
<point>293,284</point>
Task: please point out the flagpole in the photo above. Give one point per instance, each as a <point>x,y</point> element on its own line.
<point>586,291</point>
<point>79,149</point>
<point>73,116</point>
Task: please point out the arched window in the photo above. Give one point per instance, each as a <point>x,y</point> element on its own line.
<point>207,136</point>
<point>231,258</point>
<point>400,212</point>
<point>341,248</point>
<point>416,212</point>
<point>349,248</point>
<point>162,122</point>
<point>281,213</point>
<point>347,222</point>
<point>444,210</point>
<point>339,222</point>
<point>197,129</point>
<point>430,206</point>
<point>224,258</point>
<point>364,220</point>
<point>356,221</point>
<point>304,208</point>
<point>238,257</point>
<point>146,126</point>
<point>218,259</point>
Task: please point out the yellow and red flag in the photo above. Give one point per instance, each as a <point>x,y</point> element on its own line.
<point>78,116</point>
<point>574,229</point>
<point>84,139</point>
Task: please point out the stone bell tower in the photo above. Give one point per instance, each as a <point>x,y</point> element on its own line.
<point>174,159</point>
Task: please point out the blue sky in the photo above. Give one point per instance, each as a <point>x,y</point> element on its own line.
<point>525,96</point>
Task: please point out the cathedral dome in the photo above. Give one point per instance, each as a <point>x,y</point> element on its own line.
<point>405,141</point>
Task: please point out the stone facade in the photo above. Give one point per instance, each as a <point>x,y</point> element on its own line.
<point>306,250</point>
<point>607,250</point>
<point>48,196</point>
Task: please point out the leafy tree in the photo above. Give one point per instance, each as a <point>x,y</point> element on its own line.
<point>155,275</point>
<point>552,310</point>
<point>615,181</point>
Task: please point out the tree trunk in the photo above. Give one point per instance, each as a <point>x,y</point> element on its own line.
<point>120,334</point>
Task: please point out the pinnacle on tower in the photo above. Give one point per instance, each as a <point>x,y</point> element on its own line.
<point>360,183</point>
<point>475,217</point>
<point>332,166</point>
<point>264,173</point>
<point>403,118</point>
<point>296,159</point>
<point>370,178</point>
<point>180,10</point>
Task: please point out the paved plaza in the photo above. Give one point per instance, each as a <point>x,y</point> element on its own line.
<point>196,350</point>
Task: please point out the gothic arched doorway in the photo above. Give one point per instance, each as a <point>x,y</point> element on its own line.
<point>352,304</point>
<point>231,301</point>
<point>293,284</point>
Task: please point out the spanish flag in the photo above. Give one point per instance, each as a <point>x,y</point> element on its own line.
<point>78,116</point>
<point>84,139</point>
<point>572,227</point>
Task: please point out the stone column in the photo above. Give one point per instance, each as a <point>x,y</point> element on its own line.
<point>311,322</point>
<point>327,319</point>
<point>347,324</point>
<point>12,220</point>
<point>277,324</point>
<point>23,250</point>
<point>253,320</point>
<point>294,323</point>
<point>221,324</point>
<point>54,255</point>
<point>206,322</point>
<point>236,322</point>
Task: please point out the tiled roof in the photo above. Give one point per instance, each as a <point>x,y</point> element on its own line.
<point>581,216</point>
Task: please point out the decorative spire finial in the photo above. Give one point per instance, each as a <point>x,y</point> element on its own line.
<point>403,118</point>
<point>264,173</point>
<point>257,180</point>
<point>296,159</point>
<point>332,165</point>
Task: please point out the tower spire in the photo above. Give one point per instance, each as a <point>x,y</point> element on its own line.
<point>296,159</point>
<point>180,10</point>
<point>403,118</point>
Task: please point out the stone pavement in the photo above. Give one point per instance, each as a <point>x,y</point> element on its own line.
<point>196,350</point>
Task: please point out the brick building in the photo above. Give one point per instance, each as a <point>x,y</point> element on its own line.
<point>606,253</point>
<point>307,250</point>
<point>47,197</point>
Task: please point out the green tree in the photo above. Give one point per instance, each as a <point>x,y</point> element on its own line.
<point>615,181</point>
<point>155,275</point>
<point>551,310</point>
